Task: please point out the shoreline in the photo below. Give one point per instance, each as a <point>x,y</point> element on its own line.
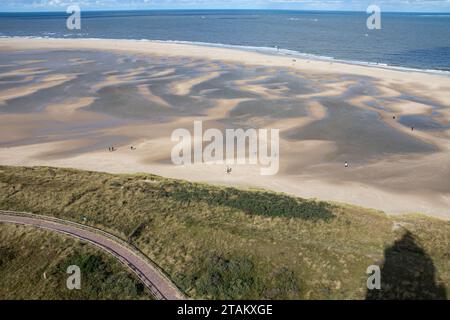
<point>280,52</point>
<point>180,49</point>
<point>397,186</point>
<point>291,53</point>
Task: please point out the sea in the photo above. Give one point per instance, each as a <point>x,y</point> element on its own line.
<point>405,40</point>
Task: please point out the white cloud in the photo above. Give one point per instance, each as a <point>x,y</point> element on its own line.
<point>407,5</point>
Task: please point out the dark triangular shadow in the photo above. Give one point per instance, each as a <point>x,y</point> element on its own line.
<point>408,273</point>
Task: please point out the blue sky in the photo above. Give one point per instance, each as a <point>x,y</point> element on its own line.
<point>358,5</point>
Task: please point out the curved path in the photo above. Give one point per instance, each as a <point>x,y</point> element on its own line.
<point>160,286</point>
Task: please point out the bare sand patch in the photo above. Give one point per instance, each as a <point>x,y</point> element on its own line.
<point>47,82</point>
<point>164,73</point>
<point>316,112</point>
<point>114,80</point>
<point>18,126</point>
<point>258,89</point>
<point>330,90</point>
<point>145,91</point>
<point>23,72</point>
<point>26,62</point>
<point>184,87</point>
<point>223,108</point>
<point>410,107</point>
<point>67,109</point>
<point>79,61</point>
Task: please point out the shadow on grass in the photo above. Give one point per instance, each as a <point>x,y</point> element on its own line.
<point>255,202</point>
<point>408,273</point>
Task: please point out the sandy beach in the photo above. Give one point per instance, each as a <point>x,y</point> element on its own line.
<point>65,102</point>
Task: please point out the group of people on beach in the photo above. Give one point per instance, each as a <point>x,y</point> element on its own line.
<point>346,164</point>
<point>229,169</point>
<point>112,149</point>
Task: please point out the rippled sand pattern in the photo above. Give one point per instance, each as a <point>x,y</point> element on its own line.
<point>68,107</point>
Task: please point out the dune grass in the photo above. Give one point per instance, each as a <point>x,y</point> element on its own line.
<point>225,243</point>
<point>33,265</point>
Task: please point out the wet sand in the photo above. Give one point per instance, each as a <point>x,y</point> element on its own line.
<point>65,102</point>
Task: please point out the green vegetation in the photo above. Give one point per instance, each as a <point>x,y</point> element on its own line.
<point>218,242</point>
<point>33,265</point>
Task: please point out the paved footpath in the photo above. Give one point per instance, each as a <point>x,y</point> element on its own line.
<point>160,286</point>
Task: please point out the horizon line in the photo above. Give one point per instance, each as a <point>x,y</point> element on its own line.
<point>219,9</point>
